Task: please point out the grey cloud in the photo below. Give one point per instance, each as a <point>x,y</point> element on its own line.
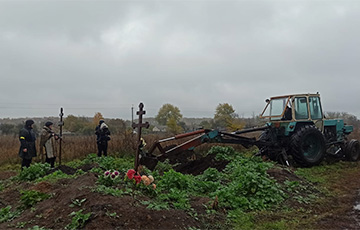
<point>108,55</point>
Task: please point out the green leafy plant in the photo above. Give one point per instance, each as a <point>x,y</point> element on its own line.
<point>34,172</point>
<point>53,177</point>
<point>163,166</point>
<point>78,220</point>
<point>75,163</point>
<point>110,191</point>
<point>223,153</point>
<point>22,224</point>
<point>173,179</point>
<point>36,227</point>
<point>7,215</point>
<point>30,197</point>
<point>112,214</point>
<point>77,202</point>
<point>156,205</point>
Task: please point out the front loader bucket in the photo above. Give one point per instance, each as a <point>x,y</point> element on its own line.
<point>149,162</point>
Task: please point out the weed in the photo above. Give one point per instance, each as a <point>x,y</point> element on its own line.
<point>223,153</point>
<point>109,191</point>
<point>77,202</point>
<point>30,197</point>
<point>175,180</point>
<point>156,205</point>
<point>34,172</point>
<point>113,214</point>
<point>36,227</point>
<point>163,166</point>
<point>78,219</point>
<point>75,163</point>
<point>53,177</point>
<point>7,215</point>
<point>22,224</point>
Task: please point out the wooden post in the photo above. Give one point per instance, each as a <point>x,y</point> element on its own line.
<point>139,126</point>
<point>61,124</point>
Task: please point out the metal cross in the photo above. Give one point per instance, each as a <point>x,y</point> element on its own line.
<point>139,126</point>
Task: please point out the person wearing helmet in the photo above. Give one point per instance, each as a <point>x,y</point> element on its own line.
<point>48,142</point>
<point>102,137</point>
<point>27,144</point>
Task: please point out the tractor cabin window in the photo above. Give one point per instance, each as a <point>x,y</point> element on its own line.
<point>277,107</point>
<point>301,108</point>
<point>315,108</point>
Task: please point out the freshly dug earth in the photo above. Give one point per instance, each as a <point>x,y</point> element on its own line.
<point>109,212</point>
<point>130,213</point>
<point>198,166</point>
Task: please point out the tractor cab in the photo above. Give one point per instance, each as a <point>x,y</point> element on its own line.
<point>294,109</point>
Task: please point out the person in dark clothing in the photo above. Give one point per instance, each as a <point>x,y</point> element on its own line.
<point>287,114</point>
<point>27,144</point>
<point>48,141</point>
<point>102,137</point>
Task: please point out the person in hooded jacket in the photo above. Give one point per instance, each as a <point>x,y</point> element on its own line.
<point>27,144</point>
<point>48,142</point>
<point>102,137</point>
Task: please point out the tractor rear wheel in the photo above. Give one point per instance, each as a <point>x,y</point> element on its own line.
<point>352,150</point>
<point>308,146</point>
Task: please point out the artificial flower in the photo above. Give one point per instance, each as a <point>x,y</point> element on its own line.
<point>137,179</point>
<point>107,173</point>
<point>130,173</point>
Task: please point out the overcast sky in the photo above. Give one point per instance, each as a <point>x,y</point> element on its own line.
<point>105,56</point>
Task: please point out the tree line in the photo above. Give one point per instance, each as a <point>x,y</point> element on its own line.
<point>170,119</point>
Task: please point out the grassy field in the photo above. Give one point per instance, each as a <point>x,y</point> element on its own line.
<point>73,147</point>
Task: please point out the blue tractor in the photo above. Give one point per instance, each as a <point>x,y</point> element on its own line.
<point>296,131</point>
<point>297,127</point>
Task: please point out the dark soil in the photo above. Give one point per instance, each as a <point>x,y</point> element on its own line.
<point>130,213</point>
<point>197,167</point>
<point>109,212</point>
<point>63,168</point>
<point>7,174</point>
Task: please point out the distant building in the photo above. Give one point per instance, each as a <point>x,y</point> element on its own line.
<point>156,129</point>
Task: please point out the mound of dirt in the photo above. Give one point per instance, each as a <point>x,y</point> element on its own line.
<point>7,174</point>
<point>281,175</point>
<point>107,212</point>
<point>63,168</point>
<point>88,167</point>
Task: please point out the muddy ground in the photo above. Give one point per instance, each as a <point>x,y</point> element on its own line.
<point>109,212</point>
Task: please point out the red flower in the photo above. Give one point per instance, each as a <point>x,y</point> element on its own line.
<point>130,173</point>
<point>137,179</point>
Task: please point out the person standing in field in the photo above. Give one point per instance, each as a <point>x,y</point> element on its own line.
<point>27,143</point>
<point>48,141</point>
<point>102,133</point>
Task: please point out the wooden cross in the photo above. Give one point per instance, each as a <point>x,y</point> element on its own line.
<point>139,126</point>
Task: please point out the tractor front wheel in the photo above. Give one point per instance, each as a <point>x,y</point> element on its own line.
<point>352,149</point>
<point>308,146</point>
